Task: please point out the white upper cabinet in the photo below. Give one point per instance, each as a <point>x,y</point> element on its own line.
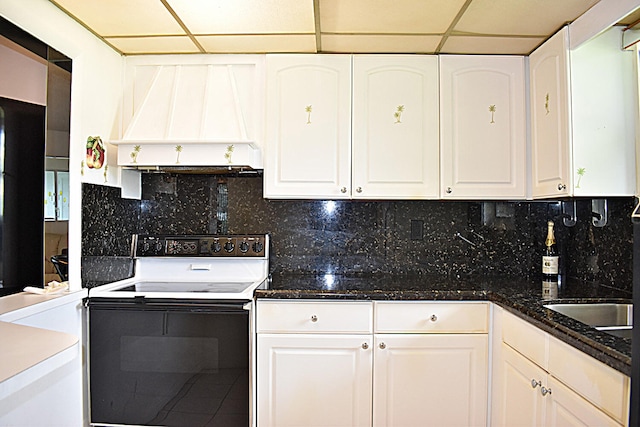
<point>395,127</point>
<point>308,136</point>
<point>483,127</point>
<point>311,150</point>
<point>550,123</point>
<point>582,117</point>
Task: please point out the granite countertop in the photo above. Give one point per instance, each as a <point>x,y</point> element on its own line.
<point>520,296</point>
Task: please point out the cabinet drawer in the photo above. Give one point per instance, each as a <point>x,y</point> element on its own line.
<point>525,338</point>
<point>431,317</point>
<point>600,384</point>
<point>314,317</point>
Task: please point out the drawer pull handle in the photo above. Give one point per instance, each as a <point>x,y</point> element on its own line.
<point>535,383</point>
<point>365,345</point>
<point>545,390</point>
<point>433,318</point>
<point>382,346</point>
<point>314,318</point>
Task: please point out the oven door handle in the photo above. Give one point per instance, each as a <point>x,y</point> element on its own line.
<point>153,304</point>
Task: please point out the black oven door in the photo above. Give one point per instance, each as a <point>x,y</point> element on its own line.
<point>167,363</point>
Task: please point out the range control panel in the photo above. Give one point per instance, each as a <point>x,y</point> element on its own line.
<point>237,245</point>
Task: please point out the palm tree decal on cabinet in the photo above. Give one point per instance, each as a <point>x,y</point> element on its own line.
<point>228,154</point>
<point>308,109</point>
<point>580,172</point>
<point>492,110</point>
<point>134,154</point>
<point>398,114</point>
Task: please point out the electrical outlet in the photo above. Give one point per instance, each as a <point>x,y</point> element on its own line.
<point>417,229</point>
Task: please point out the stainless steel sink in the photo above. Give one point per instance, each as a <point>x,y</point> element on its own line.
<point>615,319</point>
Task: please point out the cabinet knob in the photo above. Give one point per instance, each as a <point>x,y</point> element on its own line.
<point>562,187</point>
<point>535,383</point>
<point>449,190</point>
<point>545,391</point>
<point>365,345</point>
<point>343,190</point>
<point>433,318</point>
<point>314,318</point>
<point>359,190</point>
<point>382,346</point>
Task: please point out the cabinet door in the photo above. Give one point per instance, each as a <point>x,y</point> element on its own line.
<point>518,400</point>
<point>483,132</point>
<point>564,407</point>
<point>308,130</point>
<point>395,127</point>
<point>603,116</point>
<point>314,380</point>
<point>430,380</point>
<point>550,120</point>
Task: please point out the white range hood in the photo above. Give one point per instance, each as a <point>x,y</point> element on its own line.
<point>206,111</point>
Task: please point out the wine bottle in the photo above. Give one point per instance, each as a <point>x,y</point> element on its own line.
<point>550,258</point>
<point>550,266</point>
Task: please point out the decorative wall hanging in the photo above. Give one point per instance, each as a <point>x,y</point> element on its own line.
<point>95,152</point>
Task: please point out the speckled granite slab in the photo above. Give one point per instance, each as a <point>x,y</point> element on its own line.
<point>519,296</point>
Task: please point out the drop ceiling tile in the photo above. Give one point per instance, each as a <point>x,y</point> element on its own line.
<point>490,45</point>
<point>631,18</point>
<point>379,43</point>
<point>272,43</point>
<point>521,17</point>
<point>123,17</point>
<point>152,45</point>
<point>385,16</point>
<point>245,16</point>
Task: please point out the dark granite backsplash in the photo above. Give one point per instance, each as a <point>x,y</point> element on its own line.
<point>108,221</point>
<point>357,237</point>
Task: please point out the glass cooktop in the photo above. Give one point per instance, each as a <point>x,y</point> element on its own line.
<point>204,287</point>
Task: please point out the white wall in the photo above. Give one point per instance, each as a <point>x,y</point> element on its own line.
<point>24,74</point>
<point>96,90</point>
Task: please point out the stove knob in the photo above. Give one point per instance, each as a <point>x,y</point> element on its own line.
<point>229,246</point>
<point>216,247</point>
<point>258,247</point>
<point>244,247</point>
<point>158,247</point>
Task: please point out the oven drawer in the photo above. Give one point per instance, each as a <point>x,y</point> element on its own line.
<point>314,317</point>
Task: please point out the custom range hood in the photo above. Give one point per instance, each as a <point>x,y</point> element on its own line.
<point>202,115</point>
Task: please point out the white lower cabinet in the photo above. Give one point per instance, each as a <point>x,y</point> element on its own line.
<point>531,397</point>
<point>422,364</point>
<point>314,363</point>
<point>314,380</point>
<point>51,391</point>
<point>430,380</point>
<point>540,381</point>
<point>519,401</point>
<point>565,407</point>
